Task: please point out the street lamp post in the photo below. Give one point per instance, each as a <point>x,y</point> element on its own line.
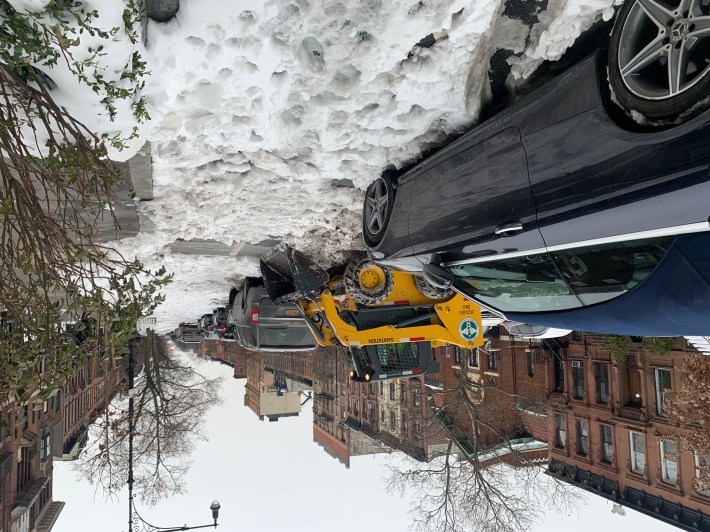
<point>135,522</point>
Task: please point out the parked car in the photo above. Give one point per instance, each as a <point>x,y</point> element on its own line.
<point>562,212</point>
<point>205,322</point>
<point>219,320</point>
<point>189,333</point>
<point>260,325</point>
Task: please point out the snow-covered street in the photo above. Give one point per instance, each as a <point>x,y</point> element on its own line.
<point>268,121</point>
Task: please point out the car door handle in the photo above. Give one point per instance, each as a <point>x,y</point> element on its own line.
<point>508,229</point>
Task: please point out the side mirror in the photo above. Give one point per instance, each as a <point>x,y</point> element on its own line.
<point>438,277</point>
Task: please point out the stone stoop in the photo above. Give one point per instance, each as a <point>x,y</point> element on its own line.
<point>50,516</point>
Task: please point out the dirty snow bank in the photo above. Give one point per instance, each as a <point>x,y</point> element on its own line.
<point>260,110</point>
<point>560,25</point>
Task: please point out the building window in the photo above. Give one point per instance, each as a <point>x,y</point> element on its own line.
<point>561,431</point>
<point>45,446</point>
<point>473,358</point>
<point>492,361</point>
<point>364,408</point>
<point>382,414</point>
<point>702,474</point>
<point>392,390</point>
<point>457,356</point>
<point>663,383</point>
<point>606,444</point>
<point>416,400</point>
<point>601,373</point>
<point>447,350</point>
<point>417,427</point>
<point>403,392</point>
<point>404,424</point>
<point>638,452</point>
<point>582,437</point>
<point>382,389</point>
<point>373,413</point>
<point>393,420</point>
<point>559,374</point>
<point>578,378</point>
<point>531,364</point>
<point>357,411</point>
<point>371,388</point>
<point>669,461</point>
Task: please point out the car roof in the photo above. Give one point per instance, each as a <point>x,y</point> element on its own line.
<point>674,300</point>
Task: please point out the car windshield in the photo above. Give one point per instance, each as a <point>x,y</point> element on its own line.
<point>563,280</point>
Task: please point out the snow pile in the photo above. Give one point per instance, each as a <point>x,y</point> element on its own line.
<point>559,27</point>
<point>269,119</point>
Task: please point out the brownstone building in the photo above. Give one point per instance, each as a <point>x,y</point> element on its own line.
<point>229,353</point>
<point>35,434</point>
<point>609,432</point>
<point>331,431</point>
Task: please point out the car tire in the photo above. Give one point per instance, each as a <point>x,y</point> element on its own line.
<point>367,293</point>
<point>377,209</point>
<point>431,291</point>
<point>162,10</point>
<point>641,46</point>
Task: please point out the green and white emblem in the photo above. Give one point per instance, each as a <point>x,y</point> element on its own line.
<point>468,329</point>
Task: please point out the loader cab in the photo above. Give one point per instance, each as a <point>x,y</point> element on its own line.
<point>383,362</point>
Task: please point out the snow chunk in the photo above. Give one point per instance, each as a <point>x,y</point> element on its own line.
<point>560,25</point>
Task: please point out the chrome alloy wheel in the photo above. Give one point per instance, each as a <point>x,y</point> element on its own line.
<point>664,51</point>
<point>376,206</point>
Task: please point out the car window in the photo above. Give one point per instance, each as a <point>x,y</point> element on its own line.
<point>600,272</point>
<point>520,284</point>
<point>563,280</point>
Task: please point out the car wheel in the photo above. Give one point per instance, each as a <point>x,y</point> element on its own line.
<point>162,10</point>
<point>379,199</point>
<point>431,291</point>
<point>366,282</point>
<point>658,58</point>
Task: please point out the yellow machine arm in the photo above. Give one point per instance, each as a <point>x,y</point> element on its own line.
<point>455,321</point>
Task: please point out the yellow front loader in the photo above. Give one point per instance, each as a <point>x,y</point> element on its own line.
<point>390,320</point>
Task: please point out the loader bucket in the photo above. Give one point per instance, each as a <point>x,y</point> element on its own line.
<point>290,276</point>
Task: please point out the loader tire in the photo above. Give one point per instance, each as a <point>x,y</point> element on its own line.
<point>366,282</point>
<point>431,291</point>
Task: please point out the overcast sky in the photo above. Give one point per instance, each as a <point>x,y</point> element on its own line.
<point>271,476</point>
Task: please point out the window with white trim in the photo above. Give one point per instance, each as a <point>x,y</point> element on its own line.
<point>582,437</point>
<point>637,443</point>
<point>45,446</point>
<point>473,358</point>
<point>561,431</point>
<point>607,445</point>
<point>669,461</point>
<point>702,474</point>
